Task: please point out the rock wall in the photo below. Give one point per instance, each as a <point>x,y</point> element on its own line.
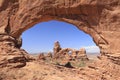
<point>99,18</point>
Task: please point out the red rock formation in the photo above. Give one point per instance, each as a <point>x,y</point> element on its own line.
<point>41,56</point>
<point>13,57</point>
<point>81,54</point>
<point>49,55</point>
<point>99,18</point>
<point>56,49</point>
<point>63,54</point>
<point>68,53</point>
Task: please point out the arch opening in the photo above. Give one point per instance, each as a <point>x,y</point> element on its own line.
<point>43,35</point>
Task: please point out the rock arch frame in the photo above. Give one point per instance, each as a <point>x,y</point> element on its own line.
<point>99,18</point>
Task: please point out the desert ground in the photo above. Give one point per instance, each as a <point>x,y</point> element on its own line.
<point>93,69</point>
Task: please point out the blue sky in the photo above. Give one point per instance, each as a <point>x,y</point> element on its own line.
<point>41,37</point>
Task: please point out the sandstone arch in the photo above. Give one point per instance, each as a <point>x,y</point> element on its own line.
<point>99,18</point>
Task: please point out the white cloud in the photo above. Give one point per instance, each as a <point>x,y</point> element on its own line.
<point>92,49</point>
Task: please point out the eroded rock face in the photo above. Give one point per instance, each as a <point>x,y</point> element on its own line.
<point>10,54</point>
<point>99,18</point>
<point>13,57</point>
